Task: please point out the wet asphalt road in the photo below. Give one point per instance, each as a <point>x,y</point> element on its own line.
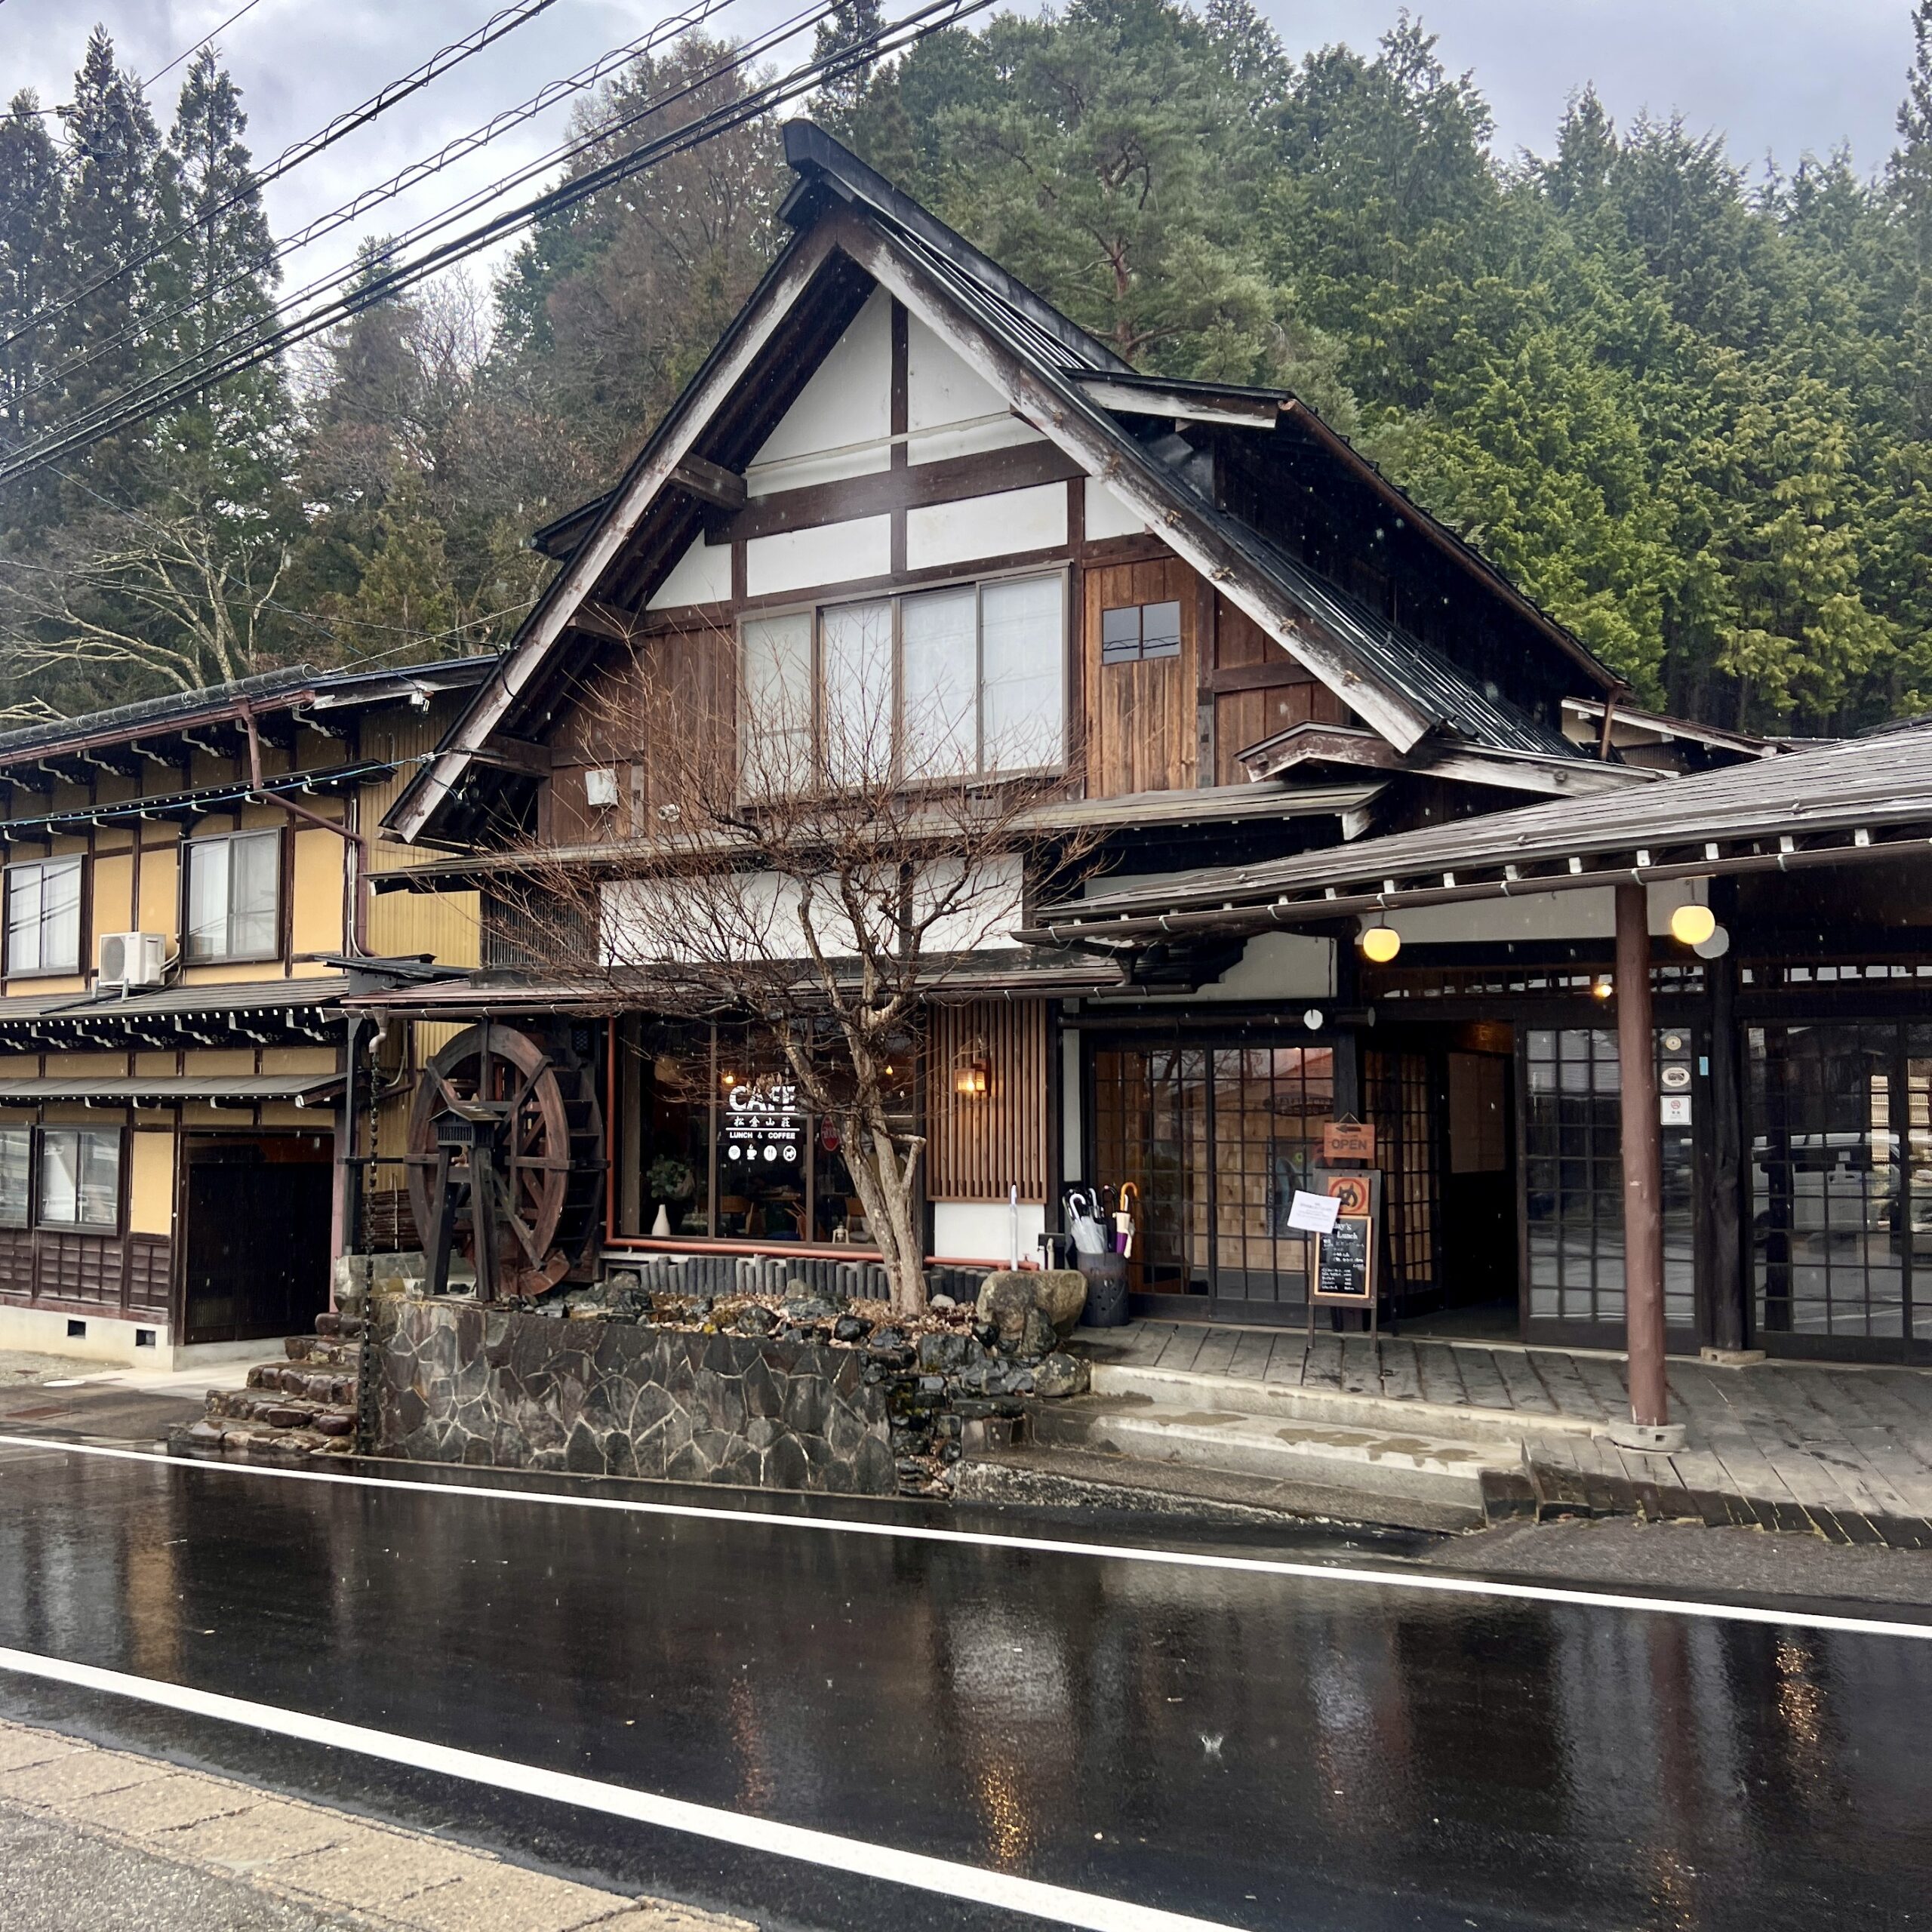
<point>1257,1750</point>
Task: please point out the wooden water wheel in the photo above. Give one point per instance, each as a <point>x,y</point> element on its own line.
<point>505,1158</point>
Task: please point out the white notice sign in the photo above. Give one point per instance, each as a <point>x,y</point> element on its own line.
<point>1676,1109</point>
<point>1314,1213</point>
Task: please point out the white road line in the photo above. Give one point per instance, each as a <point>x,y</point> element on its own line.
<point>1060,1903</point>
<point>1261,1566</point>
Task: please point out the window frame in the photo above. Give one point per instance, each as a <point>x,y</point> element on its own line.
<point>37,1216</point>
<point>277,910</point>
<point>31,1134</point>
<point>78,860</point>
<point>895,596</point>
<point>1166,647</point>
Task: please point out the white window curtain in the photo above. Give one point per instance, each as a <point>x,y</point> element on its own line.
<point>232,888</point>
<point>1022,674</point>
<point>44,916</point>
<point>941,653</point>
<point>856,642</point>
<point>775,718</point>
<point>80,1177</point>
<point>16,1156</point>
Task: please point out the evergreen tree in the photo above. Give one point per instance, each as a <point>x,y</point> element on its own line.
<point>108,216</point>
<point>212,286</point>
<point>30,278</point>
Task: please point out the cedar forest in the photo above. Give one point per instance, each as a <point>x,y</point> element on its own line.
<point>1685,404</point>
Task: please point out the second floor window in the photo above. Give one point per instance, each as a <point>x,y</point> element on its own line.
<point>44,916</point>
<point>963,681</point>
<point>233,897</point>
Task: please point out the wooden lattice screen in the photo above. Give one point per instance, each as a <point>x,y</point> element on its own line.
<point>981,1144</point>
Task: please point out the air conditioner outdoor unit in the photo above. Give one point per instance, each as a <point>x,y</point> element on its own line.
<point>128,960</point>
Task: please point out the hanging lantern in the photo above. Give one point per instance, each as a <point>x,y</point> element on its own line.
<point>1381,944</point>
<point>971,1077</point>
<point>1691,925</point>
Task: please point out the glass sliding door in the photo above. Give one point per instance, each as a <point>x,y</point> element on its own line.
<point>1842,1197</point>
<point>1217,1138</point>
<point>1573,1181</point>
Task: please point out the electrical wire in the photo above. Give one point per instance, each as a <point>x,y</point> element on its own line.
<point>406,178</point>
<point>137,404</point>
<point>247,7</point>
<point>493,30</point>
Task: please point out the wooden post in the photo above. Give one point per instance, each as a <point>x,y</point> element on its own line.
<point>1650,1426</point>
<point>1727,1253</point>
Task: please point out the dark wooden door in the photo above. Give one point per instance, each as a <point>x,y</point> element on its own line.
<point>256,1257</point>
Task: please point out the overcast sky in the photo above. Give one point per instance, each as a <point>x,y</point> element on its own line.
<point>1775,76</point>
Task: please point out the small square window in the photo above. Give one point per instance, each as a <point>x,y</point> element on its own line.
<point>1130,632</point>
<point>77,1331</point>
<point>144,1338</point>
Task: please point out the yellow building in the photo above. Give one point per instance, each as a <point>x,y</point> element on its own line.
<point>186,902</point>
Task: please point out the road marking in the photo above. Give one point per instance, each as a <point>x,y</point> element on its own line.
<point>1261,1566</point>
<point>946,1876</point>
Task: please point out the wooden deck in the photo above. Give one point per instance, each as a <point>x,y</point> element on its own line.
<point>1786,1445</point>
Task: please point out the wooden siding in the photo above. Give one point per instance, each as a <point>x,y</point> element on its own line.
<point>1141,716</point>
<point>447,925</point>
<point>979,1145</point>
<point>121,1275</point>
<point>1281,693</point>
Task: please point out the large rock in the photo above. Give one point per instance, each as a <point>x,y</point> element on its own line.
<point>1008,1295</point>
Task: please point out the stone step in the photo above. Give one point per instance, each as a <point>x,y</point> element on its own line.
<point>272,1409</point>
<point>215,1439</point>
<point>1449,1422</point>
<point>1367,1461</point>
<point>324,1384</point>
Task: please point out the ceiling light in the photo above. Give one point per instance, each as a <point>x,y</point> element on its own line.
<point>1381,944</point>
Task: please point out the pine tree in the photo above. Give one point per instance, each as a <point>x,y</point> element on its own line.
<point>214,283</point>
<point>107,217</point>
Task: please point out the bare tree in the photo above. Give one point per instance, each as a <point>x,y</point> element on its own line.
<point>178,595</point>
<point>819,865</point>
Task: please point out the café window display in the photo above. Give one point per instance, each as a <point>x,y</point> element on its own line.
<point>723,1146</point>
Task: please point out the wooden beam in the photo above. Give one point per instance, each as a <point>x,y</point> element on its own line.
<point>509,754</point>
<point>711,481</point>
<point>603,620</point>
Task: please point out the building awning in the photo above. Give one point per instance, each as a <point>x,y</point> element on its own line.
<point>233,1089</point>
<point>236,996</point>
<point>1263,800</point>
<point>1851,802</point>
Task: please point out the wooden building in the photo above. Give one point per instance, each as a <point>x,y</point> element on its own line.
<point>1236,638</point>
<point>186,902</point>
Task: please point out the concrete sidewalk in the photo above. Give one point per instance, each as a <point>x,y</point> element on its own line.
<point>1844,1453</point>
<point>92,1839</point>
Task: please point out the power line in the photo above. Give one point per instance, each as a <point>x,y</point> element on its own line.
<point>137,404</point>
<point>493,30</point>
<point>416,173</point>
<point>247,7</point>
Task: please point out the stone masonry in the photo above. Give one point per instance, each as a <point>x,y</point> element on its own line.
<point>500,1388</point>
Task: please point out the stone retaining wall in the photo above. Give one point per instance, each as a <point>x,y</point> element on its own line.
<point>500,1388</point>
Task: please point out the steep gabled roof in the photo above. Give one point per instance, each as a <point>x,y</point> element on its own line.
<point>854,230</point>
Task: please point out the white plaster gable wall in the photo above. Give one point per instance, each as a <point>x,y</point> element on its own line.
<point>950,409</point>
<point>827,553</point>
<point>1107,515</point>
<point>703,575</point>
<point>841,422</point>
<point>969,527</point>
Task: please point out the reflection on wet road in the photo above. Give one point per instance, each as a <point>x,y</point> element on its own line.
<point>1253,1749</point>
